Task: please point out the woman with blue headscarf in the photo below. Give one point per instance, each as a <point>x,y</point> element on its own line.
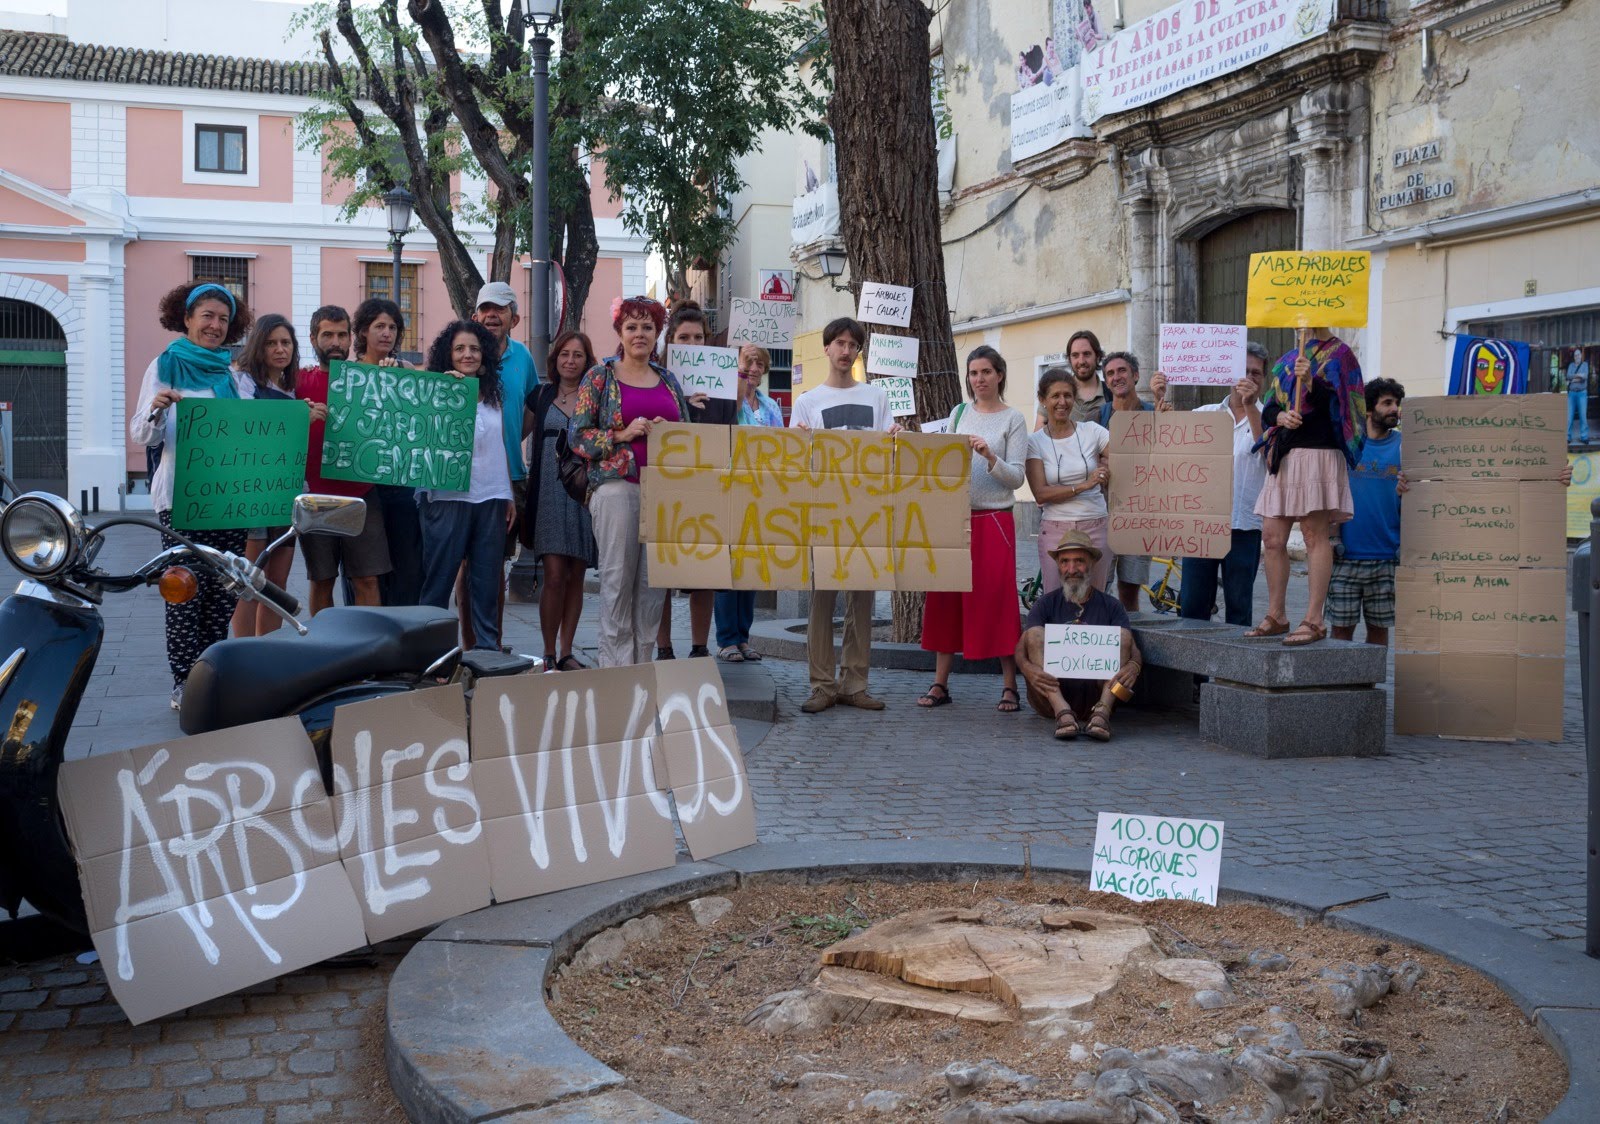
<point>197,364</point>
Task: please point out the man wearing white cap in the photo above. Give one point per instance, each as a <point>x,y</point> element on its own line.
<point>497,310</point>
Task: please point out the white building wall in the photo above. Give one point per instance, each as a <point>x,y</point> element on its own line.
<point>99,145</point>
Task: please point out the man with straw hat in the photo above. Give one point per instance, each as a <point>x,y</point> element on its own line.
<point>1076,705</point>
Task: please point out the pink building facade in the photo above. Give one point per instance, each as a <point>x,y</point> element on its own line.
<point>126,172</point>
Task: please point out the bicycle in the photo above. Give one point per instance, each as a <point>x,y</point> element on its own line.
<point>1163,594</point>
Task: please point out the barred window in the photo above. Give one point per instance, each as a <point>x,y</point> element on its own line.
<point>377,284</point>
<point>233,273</point>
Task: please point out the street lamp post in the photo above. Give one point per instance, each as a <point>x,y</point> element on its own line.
<point>400,202</point>
<point>540,16</point>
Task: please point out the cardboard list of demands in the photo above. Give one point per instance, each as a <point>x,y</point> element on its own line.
<point>392,425</point>
<point>1480,605</point>
<point>240,462</point>
<point>752,507</point>
<point>1171,489</point>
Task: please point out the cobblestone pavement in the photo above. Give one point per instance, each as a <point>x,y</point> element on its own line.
<point>1489,830</point>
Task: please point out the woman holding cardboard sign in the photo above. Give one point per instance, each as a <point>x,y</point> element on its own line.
<point>1067,472</point>
<point>195,365</point>
<point>470,526</point>
<point>618,402</point>
<point>1315,424</point>
<point>983,623</point>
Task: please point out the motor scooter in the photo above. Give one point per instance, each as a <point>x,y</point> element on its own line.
<point>50,637</point>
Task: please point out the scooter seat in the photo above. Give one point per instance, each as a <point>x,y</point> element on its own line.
<point>236,682</point>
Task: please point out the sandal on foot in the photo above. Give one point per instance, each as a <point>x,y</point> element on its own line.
<point>550,663</point>
<point>1305,633</point>
<point>1099,726</point>
<point>929,700</point>
<point>730,654</point>
<point>570,662</point>
<point>665,653</point>
<point>1066,725</point>
<point>1010,702</point>
<point>749,653</point>
<point>1269,627</point>
<point>698,651</point>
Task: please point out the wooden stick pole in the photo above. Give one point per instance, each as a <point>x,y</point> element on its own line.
<point>1300,384</point>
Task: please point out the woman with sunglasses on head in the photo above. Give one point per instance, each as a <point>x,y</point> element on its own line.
<point>470,525</point>
<point>736,608</point>
<point>271,357</point>
<point>618,402</point>
<point>556,528</point>
<point>198,364</point>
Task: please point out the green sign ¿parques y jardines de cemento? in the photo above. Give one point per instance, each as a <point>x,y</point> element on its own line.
<point>393,425</point>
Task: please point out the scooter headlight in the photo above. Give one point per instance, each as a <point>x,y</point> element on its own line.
<point>41,534</point>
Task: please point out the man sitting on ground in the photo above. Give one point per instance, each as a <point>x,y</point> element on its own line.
<point>1075,704</point>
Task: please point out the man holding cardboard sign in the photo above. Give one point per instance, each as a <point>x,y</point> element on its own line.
<point>1076,704</point>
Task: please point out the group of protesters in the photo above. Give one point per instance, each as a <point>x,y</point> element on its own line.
<point>1313,444</point>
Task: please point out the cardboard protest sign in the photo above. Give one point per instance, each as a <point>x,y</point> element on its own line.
<point>698,757</point>
<point>750,507</point>
<point>892,355</point>
<point>884,304</point>
<point>1202,354</point>
<point>208,864</point>
<point>564,766</point>
<point>1480,595</point>
<point>902,396</point>
<point>1171,488</point>
<point>1082,651</point>
<point>240,462</point>
<point>391,425</point>
<point>406,810</point>
<point>1152,858</point>
<point>1308,289</point>
<point>714,370</point>
<point>770,324</point>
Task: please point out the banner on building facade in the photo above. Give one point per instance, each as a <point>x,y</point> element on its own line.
<point>1191,42</point>
<point>1480,593</point>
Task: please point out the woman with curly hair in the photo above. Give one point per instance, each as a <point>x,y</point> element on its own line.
<point>197,364</point>
<point>271,357</point>
<point>471,525</point>
<point>618,402</point>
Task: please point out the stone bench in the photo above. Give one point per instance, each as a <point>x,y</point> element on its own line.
<point>1320,700</point>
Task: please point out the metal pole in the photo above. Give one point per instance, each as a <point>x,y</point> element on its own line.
<point>394,284</point>
<point>1591,700</point>
<point>525,571</point>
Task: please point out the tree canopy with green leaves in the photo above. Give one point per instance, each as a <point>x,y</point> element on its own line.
<point>670,97</point>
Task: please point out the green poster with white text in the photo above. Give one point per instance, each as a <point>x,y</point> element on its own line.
<point>240,462</point>
<point>393,425</point>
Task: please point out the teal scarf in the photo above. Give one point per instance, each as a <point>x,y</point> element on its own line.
<point>185,365</point>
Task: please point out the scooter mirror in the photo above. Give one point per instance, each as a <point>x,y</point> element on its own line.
<point>329,515</point>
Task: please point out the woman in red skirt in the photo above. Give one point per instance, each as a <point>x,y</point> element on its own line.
<point>984,623</point>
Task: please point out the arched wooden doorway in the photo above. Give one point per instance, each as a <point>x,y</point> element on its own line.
<point>33,380</point>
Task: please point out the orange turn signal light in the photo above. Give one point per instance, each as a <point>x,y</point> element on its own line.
<point>178,584</point>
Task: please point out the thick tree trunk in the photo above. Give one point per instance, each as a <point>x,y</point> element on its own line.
<point>882,120</point>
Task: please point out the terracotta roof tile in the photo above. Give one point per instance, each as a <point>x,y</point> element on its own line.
<point>30,54</point>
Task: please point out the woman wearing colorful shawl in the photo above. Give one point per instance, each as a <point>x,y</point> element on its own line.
<point>1315,422</point>
<point>195,365</point>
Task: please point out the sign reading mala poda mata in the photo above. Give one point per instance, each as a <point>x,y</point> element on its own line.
<point>214,862</point>
<point>1480,594</point>
<point>240,462</point>
<point>1152,858</point>
<point>1171,490</point>
<point>393,425</point>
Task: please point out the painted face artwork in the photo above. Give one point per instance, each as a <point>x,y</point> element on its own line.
<point>1490,368</point>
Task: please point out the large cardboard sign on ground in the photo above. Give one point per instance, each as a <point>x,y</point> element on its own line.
<point>240,462</point>
<point>751,507</point>
<point>407,810</point>
<point>207,864</point>
<point>1308,289</point>
<point>1480,596</point>
<point>392,425</point>
<point>1171,490</point>
<point>214,862</point>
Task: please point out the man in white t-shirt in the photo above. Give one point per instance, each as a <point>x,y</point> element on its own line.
<point>841,403</point>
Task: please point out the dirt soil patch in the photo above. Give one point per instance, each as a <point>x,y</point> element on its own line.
<point>668,1013</point>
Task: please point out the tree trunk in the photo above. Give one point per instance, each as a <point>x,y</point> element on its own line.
<point>881,115</point>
